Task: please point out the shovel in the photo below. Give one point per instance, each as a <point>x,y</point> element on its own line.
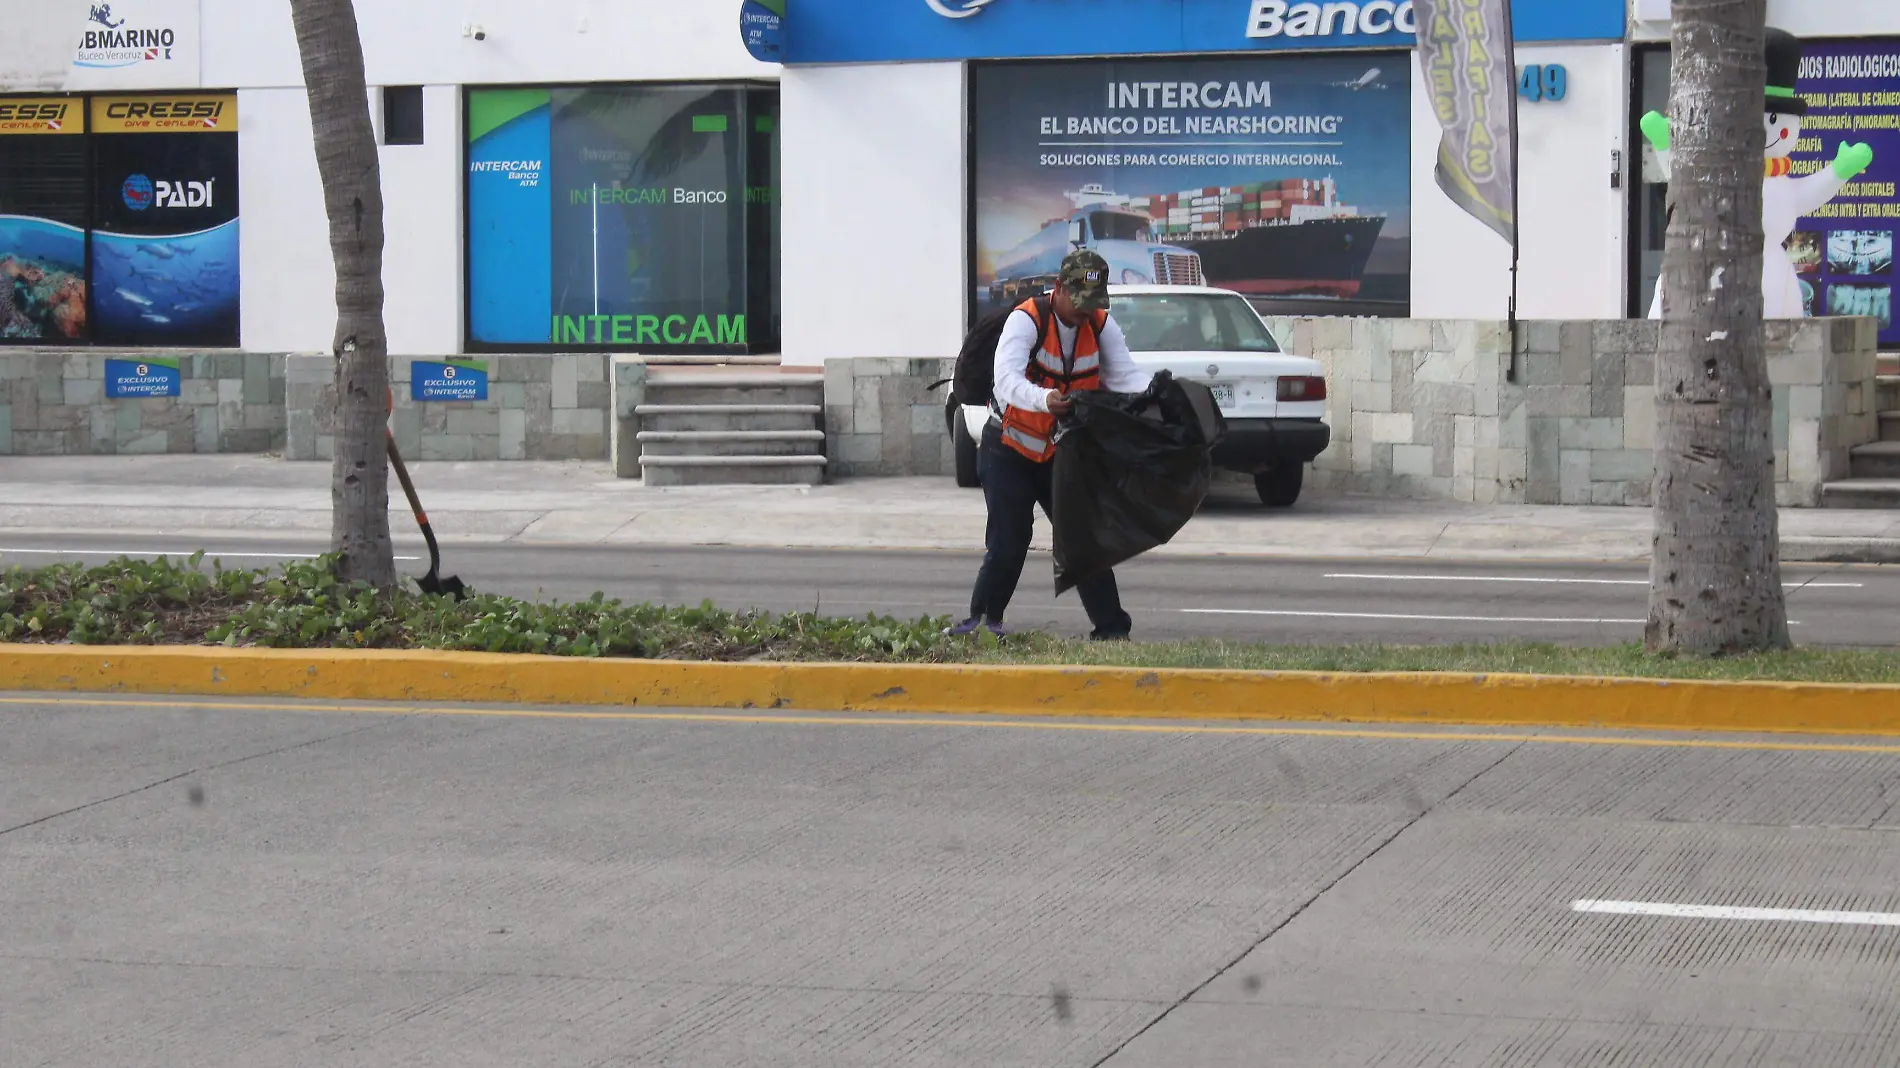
<point>431,583</point>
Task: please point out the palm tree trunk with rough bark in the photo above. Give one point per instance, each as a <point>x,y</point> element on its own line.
<point>1715,573</point>
<point>332,52</point>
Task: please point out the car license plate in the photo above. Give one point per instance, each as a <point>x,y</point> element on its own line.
<point>1223,394</point>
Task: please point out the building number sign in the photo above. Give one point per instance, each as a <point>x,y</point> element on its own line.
<point>1540,83</point>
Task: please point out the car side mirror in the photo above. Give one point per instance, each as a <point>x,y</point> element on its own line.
<point>1075,234</point>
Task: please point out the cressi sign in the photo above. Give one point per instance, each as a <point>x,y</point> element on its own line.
<point>42,115</point>
<point>197,113</point>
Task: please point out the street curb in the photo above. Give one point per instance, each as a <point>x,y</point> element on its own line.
<point>1840,550</point>
<point>491,679</point>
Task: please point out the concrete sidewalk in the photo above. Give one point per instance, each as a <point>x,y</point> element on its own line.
<point>230,498</point>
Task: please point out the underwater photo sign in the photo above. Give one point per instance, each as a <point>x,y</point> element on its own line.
<point>165,205</point>
<point>43,206</point>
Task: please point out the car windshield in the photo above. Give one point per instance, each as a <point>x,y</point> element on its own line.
<point>1191,322</point>
<point>1113,226</point>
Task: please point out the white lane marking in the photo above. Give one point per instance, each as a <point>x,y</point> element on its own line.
<point>1429,619</point>
<point>1565,581</point>
<point>1391,615</point>
<point>1731,912</point>
<point>169,552</point>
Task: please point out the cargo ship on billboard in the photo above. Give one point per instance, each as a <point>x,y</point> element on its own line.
<point>1290,237</point>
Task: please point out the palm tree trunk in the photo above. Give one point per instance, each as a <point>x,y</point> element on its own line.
<point>332,54</point>
<point>1715,575</point>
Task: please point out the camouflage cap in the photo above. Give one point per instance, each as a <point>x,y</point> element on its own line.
<point>1085,279</point>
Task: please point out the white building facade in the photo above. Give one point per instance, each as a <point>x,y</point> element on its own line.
<point>636,176</point>
<point>625,98</point>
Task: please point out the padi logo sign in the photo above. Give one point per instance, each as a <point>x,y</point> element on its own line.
<point>1278,18</point>
<point>140,193</point>
<point>958,9</point>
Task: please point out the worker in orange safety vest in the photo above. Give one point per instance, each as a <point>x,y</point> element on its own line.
<point>1051,347</point>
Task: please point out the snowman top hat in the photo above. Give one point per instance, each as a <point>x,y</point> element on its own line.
<point>1783,52</point>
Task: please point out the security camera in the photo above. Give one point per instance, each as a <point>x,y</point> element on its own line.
<point>475,31</point>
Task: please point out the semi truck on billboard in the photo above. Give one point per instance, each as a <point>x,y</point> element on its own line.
<point>1101,221</point>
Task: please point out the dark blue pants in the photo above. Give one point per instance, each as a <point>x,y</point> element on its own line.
<point>1013,485</point>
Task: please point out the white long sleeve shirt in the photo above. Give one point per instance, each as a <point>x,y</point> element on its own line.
<point>1019,340</point>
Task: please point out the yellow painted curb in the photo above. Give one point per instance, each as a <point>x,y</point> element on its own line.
<point>1498,700</point>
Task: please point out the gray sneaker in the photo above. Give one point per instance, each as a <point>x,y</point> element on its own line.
<point>972,625</point>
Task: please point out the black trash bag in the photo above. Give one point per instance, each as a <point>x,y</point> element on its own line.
<point>1132,469</point>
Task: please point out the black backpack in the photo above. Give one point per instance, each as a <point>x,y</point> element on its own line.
<point>975,381</point>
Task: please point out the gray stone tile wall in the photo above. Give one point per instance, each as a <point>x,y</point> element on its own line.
<point>539,407</point>
<point>1427,409</point>
<point>880,419</point>
<point>53,403</point>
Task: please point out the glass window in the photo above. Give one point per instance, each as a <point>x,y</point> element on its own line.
<point>622,217</point>
<point>1190,322</point>
<point>1285,178</point>
<point>1652,199</point>
<point>402,115</point>
<point>1839,251</point>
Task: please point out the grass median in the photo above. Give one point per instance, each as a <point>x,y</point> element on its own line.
<point>303,605</point>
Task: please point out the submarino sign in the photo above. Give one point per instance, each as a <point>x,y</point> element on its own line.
<point>137,44</point>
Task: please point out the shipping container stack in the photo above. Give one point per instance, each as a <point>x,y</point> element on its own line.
<point>1228,209</point>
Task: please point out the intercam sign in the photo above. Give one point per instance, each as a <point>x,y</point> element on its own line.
<point>1278,18</point>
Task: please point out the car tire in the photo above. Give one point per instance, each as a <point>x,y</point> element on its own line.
<point>1280,486</point>
<point>965,448</point>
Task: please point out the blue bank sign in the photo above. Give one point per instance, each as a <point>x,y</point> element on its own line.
<point>869,31</point>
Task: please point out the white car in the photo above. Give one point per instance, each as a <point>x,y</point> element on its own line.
<point>1274,402</point>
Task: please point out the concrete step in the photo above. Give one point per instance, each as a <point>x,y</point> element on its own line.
<point>716,417</point>
<point>732,470</point>
<point>1887,393</point>
<point>658,443</point>
<point>1862,493</point>
<point>1887,363</point>
<point>1881,459</point>
<point>731,388</point>
<point>1890,426</point>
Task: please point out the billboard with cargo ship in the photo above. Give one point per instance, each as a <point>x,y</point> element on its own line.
<point>1287,179</point>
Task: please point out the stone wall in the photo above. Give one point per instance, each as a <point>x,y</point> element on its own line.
<point>881,419</point>
<point>53,403</point>
<point>539,407</point>
<point>1424,409</point>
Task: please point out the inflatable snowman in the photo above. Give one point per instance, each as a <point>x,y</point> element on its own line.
<point>1784,199</point>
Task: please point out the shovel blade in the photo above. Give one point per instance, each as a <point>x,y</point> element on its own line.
<point>443,587</point>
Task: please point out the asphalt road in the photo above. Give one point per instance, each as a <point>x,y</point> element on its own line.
<point>1233,597</point>
<point>285,884</point>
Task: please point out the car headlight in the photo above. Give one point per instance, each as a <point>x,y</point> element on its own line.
<point>1135,278</point>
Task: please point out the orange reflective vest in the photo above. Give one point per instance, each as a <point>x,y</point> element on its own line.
<point>1033,434</point>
